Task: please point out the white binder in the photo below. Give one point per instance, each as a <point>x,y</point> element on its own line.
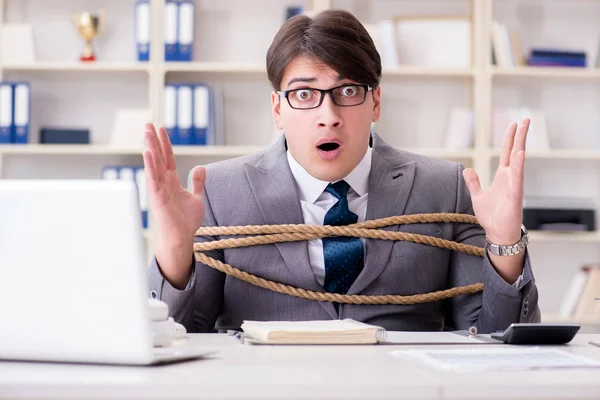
<point>6,112</point>
<point>184,114</point>
<point>142,29</point>
<point>202,117</point>
<point>140,181</point>
<point>185,31</point>
<point>170,29</point>
<point>21,114</point>
<point>170,112</point>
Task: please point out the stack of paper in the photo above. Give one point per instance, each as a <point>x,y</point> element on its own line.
<point>345,331</point>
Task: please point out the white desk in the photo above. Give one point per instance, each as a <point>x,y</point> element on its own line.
<point>264,372</point>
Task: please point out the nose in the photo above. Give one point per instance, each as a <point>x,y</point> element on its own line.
<point>329,114</point>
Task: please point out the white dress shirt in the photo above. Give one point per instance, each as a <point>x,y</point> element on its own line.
<point>315,202</point>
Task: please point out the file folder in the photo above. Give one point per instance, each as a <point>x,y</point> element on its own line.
<point>6,112</point>
<point>140,181</point>
<point>170,113</point>
<point>21,112</point>
<point>170,30</point>
<point>142,29</point>
<point>184,114</point>
<point>202,114</point>
<point>185,30</point>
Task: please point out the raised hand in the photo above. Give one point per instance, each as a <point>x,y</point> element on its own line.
<point>499,209</point>
<point>178,212</point>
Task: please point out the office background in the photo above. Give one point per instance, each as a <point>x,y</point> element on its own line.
<point>450,102</point>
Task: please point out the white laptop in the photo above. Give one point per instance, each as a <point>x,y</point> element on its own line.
<point>73,275</point>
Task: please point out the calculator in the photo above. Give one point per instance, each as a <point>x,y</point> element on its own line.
<point>537,333</point>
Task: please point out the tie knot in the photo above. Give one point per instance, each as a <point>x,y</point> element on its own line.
<point>338,189</point>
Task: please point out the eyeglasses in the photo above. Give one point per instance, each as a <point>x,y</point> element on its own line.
<point>347,95</point>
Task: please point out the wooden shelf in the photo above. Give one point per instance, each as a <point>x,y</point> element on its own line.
<point>550,72</point>
<point>242,68</point>
<point>428,72</point>
<point>558,154</point>
<point>221,67</point>
<point>78,67</point>
<point>49,149</point>
<point>562,237</point>
<point>557,319</point>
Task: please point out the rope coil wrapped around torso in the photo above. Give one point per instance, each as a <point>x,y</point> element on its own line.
<point>269,234</point>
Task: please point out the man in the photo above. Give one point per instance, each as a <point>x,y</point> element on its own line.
<point>329,168</point>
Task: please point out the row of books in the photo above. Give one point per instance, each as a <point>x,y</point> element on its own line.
<point>134,173</point>
<point>580,298</point>
<point>427,42</point>
<point>193,114</point>
<point>178,26</point>
<point>15,103</point>
<point>507,52</point>
<point>506,46</point>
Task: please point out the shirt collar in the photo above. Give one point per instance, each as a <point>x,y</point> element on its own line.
<point>311,187</point>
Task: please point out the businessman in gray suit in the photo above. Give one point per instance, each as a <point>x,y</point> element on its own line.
<point>329,168</point>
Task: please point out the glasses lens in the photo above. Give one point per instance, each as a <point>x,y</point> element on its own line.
<point>350,95</point>
<point>304,98</point>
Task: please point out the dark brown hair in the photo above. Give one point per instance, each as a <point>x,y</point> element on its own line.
<point>335,37</point>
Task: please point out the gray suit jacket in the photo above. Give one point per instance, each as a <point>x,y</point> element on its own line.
<point>260,189</point>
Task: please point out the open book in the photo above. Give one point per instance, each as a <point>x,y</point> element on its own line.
<point>346,331</point>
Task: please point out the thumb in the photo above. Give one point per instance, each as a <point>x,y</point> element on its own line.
<point>198,180</point>
<point>472,181</point>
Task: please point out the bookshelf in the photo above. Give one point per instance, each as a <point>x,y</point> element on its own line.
<point>69,67</point>
<point>416,99</point>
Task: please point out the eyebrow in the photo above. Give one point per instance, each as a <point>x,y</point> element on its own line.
<point>310,79</point>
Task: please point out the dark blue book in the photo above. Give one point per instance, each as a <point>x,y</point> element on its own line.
<point>556,61</point>
<point>557,53</point>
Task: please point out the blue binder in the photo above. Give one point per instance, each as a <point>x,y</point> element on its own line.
<point>203,109</point>
<point>6,112</point>
<point>140,181</point>
<point>170,113</point>
<point>185,30</point>
<point>142,29</point>
<point>21,112</point>
<point>184,114</point>
<point>170,27</point>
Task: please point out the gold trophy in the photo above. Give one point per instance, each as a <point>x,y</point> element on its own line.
<point>89,26</point>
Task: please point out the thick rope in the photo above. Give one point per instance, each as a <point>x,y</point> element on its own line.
<point>368,229</point>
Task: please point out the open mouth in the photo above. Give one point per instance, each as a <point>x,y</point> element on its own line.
<point>328,146</point>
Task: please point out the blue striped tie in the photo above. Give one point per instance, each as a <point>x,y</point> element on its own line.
<point>344,256</point>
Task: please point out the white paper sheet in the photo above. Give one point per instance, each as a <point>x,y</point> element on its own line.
<point>496,359</point>
<point>429,338</point>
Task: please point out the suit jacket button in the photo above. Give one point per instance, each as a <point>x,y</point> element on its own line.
<point>153,294</point>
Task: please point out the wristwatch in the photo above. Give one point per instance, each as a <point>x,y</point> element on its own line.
<point>510,250</point>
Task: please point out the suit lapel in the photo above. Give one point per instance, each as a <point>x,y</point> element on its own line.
<point>277,197</point>
<point>390,182</point>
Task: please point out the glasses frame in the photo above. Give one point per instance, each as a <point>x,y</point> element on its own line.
<point>286,94</point>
